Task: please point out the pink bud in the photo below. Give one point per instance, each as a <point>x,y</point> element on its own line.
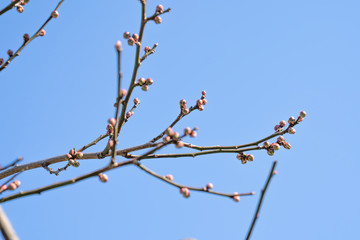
<point>72,152</point>
<point>169,177</point>
<point>175,135</point>
<point>209,186</point>
<point>135,37</point>
<point>185,192</point>
<point>276,127</point>
<point>159,8</point>
<point>179,144</point>
<point>123,92</point>
<point>68,156</point>
<point>240,156</point>
<point>287,145</point>
<point>270,151</point>
<point>79,155</point>
<point>118,46</point>
<point>126,35</point>
<point>187,131</point>
<point>300,119</point>
<point>145,87</point>
<point>250,157</point>
<point>110,129</point>
<point>42,33</point>
<point>157,19</point>
<point>103,178</point>
<point>291,120</point>
<point>111,143</point>
<point>12,186</point>
<point>20,9</point>
<point>149,81</point>
<point>147,49</point>
<point>128,114</point>
<point>54,14</point>
<point>141,81</point>
<point>74,163</point>
<point>280,139</point>
<point>236,197</point>
<point>292,130</point>
<point>112,121</point>
<point>136,101</point>
<point>302,114</point>
<point>204,102</point>
<point>282,123</point>
<point>10,53</point>
<point>266,144</point>
<point>3,188</point>
<point>243,160</point>
<point>26,37</point>
<point>193,134</point>
<point>169,132</point>
<point>131,41</point>
<point>275,146</point>
<point>275,172</point>
<point>166,139</point>
<point>17,183</point>
<point>183,103</point>
<point>201,108</point>
<point>185,111</point>
<point>203,93</point>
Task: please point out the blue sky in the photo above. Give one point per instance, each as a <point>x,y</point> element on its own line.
<point>259,61</point>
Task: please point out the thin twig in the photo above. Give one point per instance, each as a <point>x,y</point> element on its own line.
<point>263,191</point>
<point>12,163</point>
<point>92,143</point>
<point>9,7</point>
<point>204,189</point>
<point>17,53</point>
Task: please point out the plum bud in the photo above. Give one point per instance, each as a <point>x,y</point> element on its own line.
<point>292,130</point>
<point>300,119</point>
<point>275,146</point>
<point>111,143</point>
<point>175,135</point>
<point>282,123</point>
<point>135,37</point>
<point>42,33</point>
<point>118,46</point>
<point>187,131</point>
<point>112,121</point>
<point>159,8</point>
<point>193,134</point>
<point>201,108</point>
<point>275,172</point>
<point>240,156</point>
<point>276,127</point>
<point>141,81</point>
<point>79,155</point>
<point>291,120</point>
<point>26,37</point>
<point>280,139</point>
<point>55,14</point>
<point>270,151</point>
<point>147,49</point>
<point>204,102</point>
<point>236,197</point>
<point>287,145</point>
<point>185,111</point>
<point>10,53</point>
<point>166,139</point>
<point>68,156</point>
<point>20,9</point>
<point>145,87</point>
<point>74,163</point>
<point>266,144</point>
<point>110,129</point>
<point>17,183</point>
<point>149,81</point>
<point>243,160</point>
<point>157,19</point>
<point>302,114</point>
<point>169,177</point>
<point>126,35</point>
<point>3,188</point>
<point>183,103</point>
<point>169,131</point>
<point>128,114</point>
<point>209,186</point>
<point>179,144</point>
<point>12,186</point>
<point>123,92</point>
<point>131,41</point>
<point>185,192</point>
<point>103,178</point>
<point>203,93</point>
<point>136,101</point>
<point>72,152</point>
<point>250,157</point>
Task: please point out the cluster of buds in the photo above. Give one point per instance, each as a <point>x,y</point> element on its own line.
<point>185,192</point>
<point>103,177</point>
<point>145,83</point>
<point>292,122</point>
<point>12,186</point>
<point>134,39</point>
<point>271,148</point>
<point>244,158</point>
<point>191,133</point>
<point>236,197</point>
<point>111,126</point>
<point>183,108</point>
<point>72,156</point>
<point>19,6</point>
<point>202,101</point>
<point>281,141</point>
<point>171,135</point>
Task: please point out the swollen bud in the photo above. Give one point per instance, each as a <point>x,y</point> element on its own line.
<point>10,53</point>
<point>292,130</point>
<point>302,114</point>
<point>236,197</point>
<point>282,123</point>
<point>20,9</point>
<point>149,81</point>
<point>135,36</point>
<point>159,8</point>
<point>26,37</point>
<point>131,41</point>
<point>158,20</point>
<point>169,177</point>
<point>55,14</point>
<point>42,33</point>
<point>126,35</point>
<point>103,178</point>
<point>291,120</point>
<point>179,144</point>
<point>118,46</point>
<point>136,101</point>
<point>209,186</point>
<point>187,131</point>
<point>147,49</point>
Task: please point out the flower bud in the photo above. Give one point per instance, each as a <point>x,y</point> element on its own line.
<point>179,144</point>
<point>280,139</point>
<point>157,19</point>
<point>185,111</point>
<point>243,160</point>
<point>166,139</point>
<point>175,135</point>
<point>42,33</point>
<point>149,81</point>
<point>26,37</point>
<point>187,131</point>
<point>275,172</point>
<point>129,114</point>
<point>300,119</point>
<point>203,93</point>
<point>141,81</point>
<point>126,35</point>
<point>135,36</point>
<point>145,87</point>
<point>169,131</point>
<point>240,156</point>
<point>12,186</point>
<point>103,177</point>
<point>204,102</point>
<point>209,186</point>
<point>201,108</point>
<point>110,129</point>
<point>291,120</point>
<point>131,41</point>
<point>79,155</point>
<point>3,188</point>
<point>276,127</point>
<point>182,103</point>
<point>159,8</point>
<point>287,145</point>
<point>270,151</point>
<point>123,93</point>
<point>185,192</point>
<point>68,156</point>
<point>282,123</point>
<point>292,130</point>
<point>17,183</point>
<point>74,163</point>
<point>250,157</point>
<point>302,114</point>
<point>266,144</point>
<point>136,101</point>
<point>55,14</point>
<point>275,146</point>
<point>199,102</point>
<point>112,121</point>
<point>193,134</point>
<point>118,46</point>
<point>169,177</point>
<point>10,53</point>
<point>236,197</point>
<point>72,152</point>
<point>20,9</point>
<point>147,49</point>
<point>111,143</point>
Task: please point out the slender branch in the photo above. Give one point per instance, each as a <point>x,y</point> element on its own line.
<point>17,53</point>
<point>9,7</point>
<point>204,189</point>
<point>57,172</point>
<point>6,228</point>
<point>157,14</point>
<point>12,164</point>
<point>92,143</point>
<point>263,191</point>
<point>152,51</point>
<point>194,154</point>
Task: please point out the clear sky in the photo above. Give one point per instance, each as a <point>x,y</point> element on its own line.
<point>259,61</point>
